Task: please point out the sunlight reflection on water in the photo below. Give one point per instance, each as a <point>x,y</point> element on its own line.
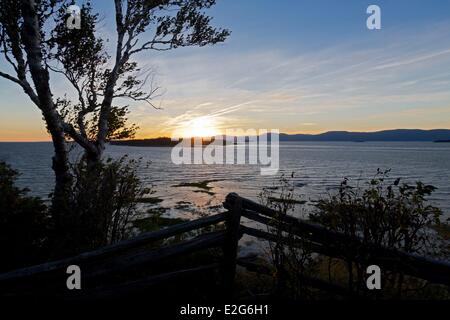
<point>318,167</point>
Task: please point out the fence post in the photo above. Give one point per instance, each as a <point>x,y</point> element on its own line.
<point>233,223</point>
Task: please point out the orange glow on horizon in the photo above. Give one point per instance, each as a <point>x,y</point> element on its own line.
<point>194,129</point>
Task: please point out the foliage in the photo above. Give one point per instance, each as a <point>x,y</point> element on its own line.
<point>385,213</point>
<point>104,200</point>
<point>81,56</point>
<point>36,45</point>
<point>24,223</point>
<point>290,255</point>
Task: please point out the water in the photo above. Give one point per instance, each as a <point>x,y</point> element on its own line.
<point>319,167</point>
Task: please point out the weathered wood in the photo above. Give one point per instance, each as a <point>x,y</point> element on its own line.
<point>114,249</point>
<point>141,285</point>
<point>316,243</point>
<point>318,232</point>
<point>111,260</point>
<point>117,264</point>
<point>124,262</point>
<point>231,245</point>
<point>314,247</point>
<point>338,245</point>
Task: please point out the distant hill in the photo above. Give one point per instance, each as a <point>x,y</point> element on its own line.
<point>154,142</point>
<point>438,135</point>
<point>385,135</point>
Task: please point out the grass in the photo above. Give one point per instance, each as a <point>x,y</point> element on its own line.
<point>205,191</point>
<point>155,222</point>
<point>157,210</point>
<point>201,184</point>
<point>182,205</point>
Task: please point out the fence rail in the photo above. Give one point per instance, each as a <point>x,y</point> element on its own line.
<point>338,245</point>
<point>123,256</point>
<point>116,258</point>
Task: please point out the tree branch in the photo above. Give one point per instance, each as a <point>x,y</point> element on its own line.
<point>78,138</point>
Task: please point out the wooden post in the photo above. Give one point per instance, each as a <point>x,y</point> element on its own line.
<point>233,235</point>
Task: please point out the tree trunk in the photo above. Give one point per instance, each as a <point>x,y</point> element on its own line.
<point>105,110</point>
<point>92,159</point>
<point>121,59</point>
<point>33,47</point>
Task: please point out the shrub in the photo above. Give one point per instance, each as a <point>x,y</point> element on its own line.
<point>24,223</point>
<point>104,198</point>
<point>290,255</point>
<point>385,213</point>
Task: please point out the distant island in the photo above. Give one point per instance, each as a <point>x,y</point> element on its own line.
<point>154,142</point>
<point>385,135</point>
<point>436,135</point>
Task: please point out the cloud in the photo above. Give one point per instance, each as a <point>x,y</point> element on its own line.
<point>288,89</point>
<point>413,60</point>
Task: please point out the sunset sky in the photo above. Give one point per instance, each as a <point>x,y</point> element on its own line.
<point>297,66</point>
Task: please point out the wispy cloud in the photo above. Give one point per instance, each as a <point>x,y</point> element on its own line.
<point>414,60</point>
<point>291,91</point>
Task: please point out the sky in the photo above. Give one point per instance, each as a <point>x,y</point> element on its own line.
<point>297,66</point>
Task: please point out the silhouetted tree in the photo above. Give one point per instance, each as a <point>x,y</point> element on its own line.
<point>36,45</point>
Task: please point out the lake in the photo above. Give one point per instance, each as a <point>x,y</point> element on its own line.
<point>318,166</point>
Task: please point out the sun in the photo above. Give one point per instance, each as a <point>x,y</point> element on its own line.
<point>199,127</point>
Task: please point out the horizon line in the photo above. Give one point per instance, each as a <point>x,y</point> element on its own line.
<point>311,134</point>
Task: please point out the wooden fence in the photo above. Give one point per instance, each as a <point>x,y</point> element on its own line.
<point>124,256</point>
<point>332,244</point>
<point>98,265</point>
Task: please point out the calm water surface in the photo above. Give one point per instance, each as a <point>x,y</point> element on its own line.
<point>318,167</point>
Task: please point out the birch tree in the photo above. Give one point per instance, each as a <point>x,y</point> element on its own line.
<point>36,46</point>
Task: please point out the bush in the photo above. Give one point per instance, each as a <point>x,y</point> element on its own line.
<point>385,213</point>
<point>291,256</point>
<point>24,223</point>
<point>103,201</point>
